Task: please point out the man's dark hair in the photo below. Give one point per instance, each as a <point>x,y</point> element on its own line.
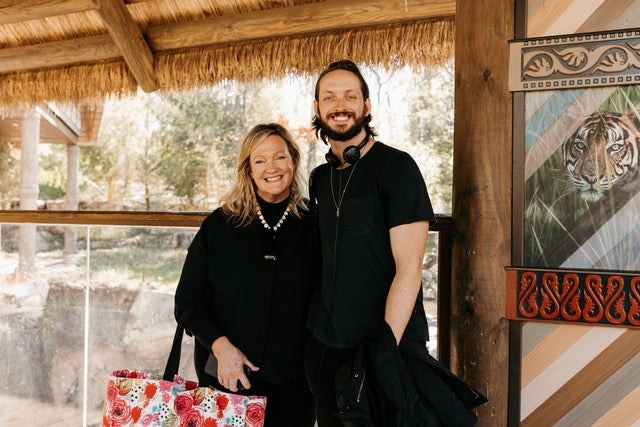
<point>347,65</point>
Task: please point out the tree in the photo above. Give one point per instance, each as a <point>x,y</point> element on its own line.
<point>197,143</point>
<point>9,176</point>
<point>53,173</point>
<point>109,166</point>
<point>431,110</point>
<point>178,150</point>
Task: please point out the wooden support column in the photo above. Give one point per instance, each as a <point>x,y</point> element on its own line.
<point>30,139</point>
<point>71,197</point>
<point>482,159</point>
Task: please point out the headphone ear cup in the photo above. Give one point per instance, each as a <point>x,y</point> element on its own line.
<point>332,159</point>
<point>351,154</point>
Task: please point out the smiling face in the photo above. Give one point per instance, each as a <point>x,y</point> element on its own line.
<point>340,107</point>
<point>272,169</point>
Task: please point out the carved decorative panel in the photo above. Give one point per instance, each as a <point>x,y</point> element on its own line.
<point>577,296</point>
<point>578,60</point>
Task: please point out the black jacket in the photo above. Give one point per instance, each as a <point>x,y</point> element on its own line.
<point>261,305</point>
<point>405,387</point>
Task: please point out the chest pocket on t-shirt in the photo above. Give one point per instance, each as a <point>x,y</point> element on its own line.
<point>358,215</point>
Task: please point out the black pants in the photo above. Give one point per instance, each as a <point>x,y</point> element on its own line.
<point>288,404</point>
<point>321,365</point>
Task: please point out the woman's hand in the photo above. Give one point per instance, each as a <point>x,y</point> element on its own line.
<point>231,362</point>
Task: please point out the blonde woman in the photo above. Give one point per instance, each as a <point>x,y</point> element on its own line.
<point>247,280</point>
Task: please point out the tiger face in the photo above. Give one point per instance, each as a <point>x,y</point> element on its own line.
<point>602,153</point>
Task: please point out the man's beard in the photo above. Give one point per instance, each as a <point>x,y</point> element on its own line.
<point>347,134</point>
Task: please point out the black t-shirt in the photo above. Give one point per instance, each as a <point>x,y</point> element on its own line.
<point>383,190</point>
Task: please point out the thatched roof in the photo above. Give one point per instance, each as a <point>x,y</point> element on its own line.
<point>78,50</point>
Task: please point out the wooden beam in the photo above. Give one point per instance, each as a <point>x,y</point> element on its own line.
<point>12,11</point>
<point>131,218</point>
<point>134,218</point>
<point>54,54</point>
<point>55,121</point>
<point>331,15</point>
<point>127,36</point>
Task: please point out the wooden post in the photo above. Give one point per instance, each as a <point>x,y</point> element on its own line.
<point>482,159</point>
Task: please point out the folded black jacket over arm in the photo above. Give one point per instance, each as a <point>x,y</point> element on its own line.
<point>406,387</point>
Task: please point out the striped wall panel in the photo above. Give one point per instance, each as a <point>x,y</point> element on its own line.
<point>554,17</point>
<point>576,374</point>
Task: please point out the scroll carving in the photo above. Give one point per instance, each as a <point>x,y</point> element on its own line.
<point>580,296</point>
<point>571,61</point>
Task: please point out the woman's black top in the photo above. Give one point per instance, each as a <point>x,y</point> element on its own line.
<point>259,303</point>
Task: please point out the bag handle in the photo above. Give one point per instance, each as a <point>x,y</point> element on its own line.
<point>173,361</point>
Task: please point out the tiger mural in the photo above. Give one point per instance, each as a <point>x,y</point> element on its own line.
<point>602,153</point>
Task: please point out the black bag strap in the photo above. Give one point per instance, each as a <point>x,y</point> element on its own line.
<point>173,362</point>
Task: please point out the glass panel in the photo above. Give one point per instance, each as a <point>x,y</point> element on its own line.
<point>430,291</point>
<point>42,328</point>
<point>134,273</point>
<point>54,370</point>
<point>118,280</point>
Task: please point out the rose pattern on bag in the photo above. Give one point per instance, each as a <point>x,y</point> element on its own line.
<point>119,412</point>
<point>138,398</point>
<point>255,413</point>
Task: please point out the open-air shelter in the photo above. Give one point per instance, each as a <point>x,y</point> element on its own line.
<point>536,368</point>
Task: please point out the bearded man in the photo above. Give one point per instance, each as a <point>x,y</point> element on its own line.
<point>373,213</point>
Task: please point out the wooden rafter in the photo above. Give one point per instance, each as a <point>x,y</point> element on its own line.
<point>129,39</point>
<point>56,54</point>
<point>12,11</point>
<point>60,127</point>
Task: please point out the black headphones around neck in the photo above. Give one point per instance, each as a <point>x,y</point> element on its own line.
<point>351,154</point>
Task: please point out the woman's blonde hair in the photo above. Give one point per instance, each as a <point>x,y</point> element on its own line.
<point>241,202</point>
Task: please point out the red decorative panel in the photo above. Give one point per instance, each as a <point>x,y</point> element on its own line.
<point>576,296</point>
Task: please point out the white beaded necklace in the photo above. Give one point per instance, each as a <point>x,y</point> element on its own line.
<point>280,221</point>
